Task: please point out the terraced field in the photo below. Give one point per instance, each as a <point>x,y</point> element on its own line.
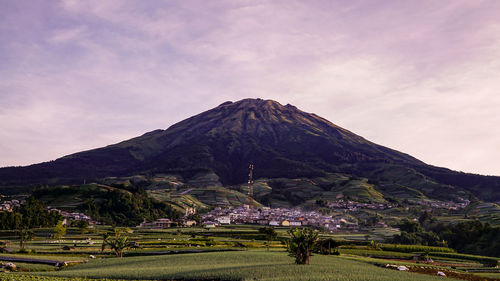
<point>248,265</point>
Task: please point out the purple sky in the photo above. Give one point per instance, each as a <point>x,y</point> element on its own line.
<point>422,77</point>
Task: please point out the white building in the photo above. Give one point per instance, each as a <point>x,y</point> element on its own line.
<point>224,220</point>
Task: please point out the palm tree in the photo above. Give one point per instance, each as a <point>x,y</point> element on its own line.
<point>117,244</point>
<point>301,244</point>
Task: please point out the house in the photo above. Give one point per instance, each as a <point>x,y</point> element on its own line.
<point>274,223</point>
<point>189,223</point>
<point>263,222</point>
<point>223,220</point>
<point>190,211</point>
<point>209,224</point>
<point>157,224</point>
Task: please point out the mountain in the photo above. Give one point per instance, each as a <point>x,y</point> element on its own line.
<point>281,141</point>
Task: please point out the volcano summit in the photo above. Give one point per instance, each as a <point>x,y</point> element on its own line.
<point>281,140</point>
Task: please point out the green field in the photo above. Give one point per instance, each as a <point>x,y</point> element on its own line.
<point>359,259</point>
<point>247,265</point>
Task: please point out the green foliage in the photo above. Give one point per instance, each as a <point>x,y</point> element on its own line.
<point>59,230</point>
<point>423,238</point>
<point>327,246</point>
<point>471,237</point>
<point>301,244</point>
<point>113,205</point>
<point>413,233</point>
<point>24,236</point>
<point>30,215</point>
<point>118,243</point>
<point>269,233</point>
<point>426,219</point>
<point>410,226</point>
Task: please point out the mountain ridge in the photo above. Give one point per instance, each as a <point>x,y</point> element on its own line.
<point>281,140</point>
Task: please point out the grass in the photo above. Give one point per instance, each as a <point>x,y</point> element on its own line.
<point>250,265</point>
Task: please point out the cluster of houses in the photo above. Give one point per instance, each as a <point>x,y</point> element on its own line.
<point>73,216</point>
<point>274,217</point>
<point>166,223</point>
<point>9,205</point>
<point>445,204</point>
<point>355,206</point>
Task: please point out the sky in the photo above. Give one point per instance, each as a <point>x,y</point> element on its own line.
<point>421,77</point>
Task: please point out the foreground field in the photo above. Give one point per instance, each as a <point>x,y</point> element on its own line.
<point>244,265</point>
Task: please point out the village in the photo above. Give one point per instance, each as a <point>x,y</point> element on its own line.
<point>266,216</point>
<point>274,217</point>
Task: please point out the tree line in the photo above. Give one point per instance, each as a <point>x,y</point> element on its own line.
<point>121,205</point>
<point>32,214</point>
<point>471,237</point>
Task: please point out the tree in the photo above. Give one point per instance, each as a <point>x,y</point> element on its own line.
<point>59,230</point>
<point>24,236</point>
<point>410,226</point>
<point>325,246</point>
<point>301,244</point>
<point>118,243</point>
<point>105,237</point>
<point>269,233</point>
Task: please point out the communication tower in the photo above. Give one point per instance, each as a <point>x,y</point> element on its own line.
<point>250,185</point>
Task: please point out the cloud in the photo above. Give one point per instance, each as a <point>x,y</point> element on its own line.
<point>418,76</point>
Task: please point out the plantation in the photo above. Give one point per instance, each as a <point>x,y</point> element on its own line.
<point>246,265</point>
<point>234,252</point>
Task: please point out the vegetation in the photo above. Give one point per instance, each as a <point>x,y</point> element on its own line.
<point>487,261</point>
<point>24,236</point>
<point>473,237</point>
<point>59,230</point>
<point>301,244</point>
<point>205,256</point>
<point>414,248</point>
<point>32,214</point>
<point>269,233</point>
<point>121,205</point>
<point>327,246</point>
<point>118,243</point>
<point>240,265</point>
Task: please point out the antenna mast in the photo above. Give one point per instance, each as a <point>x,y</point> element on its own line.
<point>250,185</point>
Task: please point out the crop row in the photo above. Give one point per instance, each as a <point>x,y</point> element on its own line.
<point>377,254</point>
<point>17,277</point>
<point>481,259</point>
<point>415,248</point>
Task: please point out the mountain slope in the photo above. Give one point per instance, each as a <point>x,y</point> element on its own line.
<point>282,141</point>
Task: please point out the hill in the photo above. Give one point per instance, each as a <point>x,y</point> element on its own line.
<point>213,149</point>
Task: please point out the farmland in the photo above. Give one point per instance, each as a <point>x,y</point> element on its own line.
<point>228,253</point>
<point>245,265</point>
